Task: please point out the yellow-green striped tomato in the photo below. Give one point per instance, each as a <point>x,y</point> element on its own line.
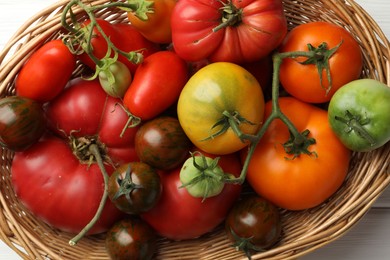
<point>214,97</point>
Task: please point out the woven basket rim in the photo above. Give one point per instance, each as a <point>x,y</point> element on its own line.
<point>368,177</point>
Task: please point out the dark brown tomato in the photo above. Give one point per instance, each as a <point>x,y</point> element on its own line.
<point>131,238</point>
<point>162,143</point>
<point>22,122</point>
<point>134,187</point>
<point>253,224</point>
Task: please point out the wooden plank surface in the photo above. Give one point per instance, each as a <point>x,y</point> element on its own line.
<point>369,239</point>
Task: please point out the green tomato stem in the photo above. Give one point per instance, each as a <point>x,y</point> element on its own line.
<point>134,57</point>
<point>94,150</point>
<point>297,139</point>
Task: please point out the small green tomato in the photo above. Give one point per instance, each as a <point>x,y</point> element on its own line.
<point>202,176</point>
<point>115,79</point>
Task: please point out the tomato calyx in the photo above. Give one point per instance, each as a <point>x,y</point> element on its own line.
<point>81,149</point>
<point>202,176</point>
<point>140,8</point>
<point>355,123</point>
<point>229,120</point>
<point>297,145</point>
<point>126,185</point>
<point>320,58</point>
<point>231,16</point>
<point>245,244</point>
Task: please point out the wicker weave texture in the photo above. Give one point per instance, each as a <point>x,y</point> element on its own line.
<point>303,231</point>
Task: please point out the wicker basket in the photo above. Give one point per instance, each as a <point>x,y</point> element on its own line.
<point>368,177</point>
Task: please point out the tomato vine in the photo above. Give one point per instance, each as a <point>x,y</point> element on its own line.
<point>299,142</point>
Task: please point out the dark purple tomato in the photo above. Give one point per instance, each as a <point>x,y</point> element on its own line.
<point>162,143</point>
<point>253,224</point>
<point>22,122</point>
<point>131,238</point>
<point>134,187</point>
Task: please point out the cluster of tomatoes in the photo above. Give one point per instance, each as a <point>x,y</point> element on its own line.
<point>175,110</point>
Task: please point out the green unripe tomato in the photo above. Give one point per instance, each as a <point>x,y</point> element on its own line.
<point>115,79</point>
<point>359,114</point>
<point>202,176</point>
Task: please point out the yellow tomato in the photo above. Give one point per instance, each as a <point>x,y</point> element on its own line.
<point>216,89</point>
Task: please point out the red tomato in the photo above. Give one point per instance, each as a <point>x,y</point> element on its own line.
<point>84,109</point>
<point>234,31</point>
<point>46,72</point>
<point>156,85</point>
<point>157,27</point>
<point>179,216</point>
<point>57,188</point>
<point>303,81</point>
<point>124,36</point>
<point>307,180</point>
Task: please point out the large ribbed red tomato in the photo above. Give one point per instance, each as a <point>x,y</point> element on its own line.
<point>227,30</point>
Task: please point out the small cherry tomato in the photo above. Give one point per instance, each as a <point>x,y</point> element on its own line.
<point>253,224</point>
<point>203,177</point>
<point>115,79</point>
<point>22,122</point>
<point>134,187</point>
<point>162,143</point>
<point>131,238</point>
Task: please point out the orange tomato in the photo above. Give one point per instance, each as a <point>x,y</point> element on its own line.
<point>303,81</point>
<point>307,180</point>
<point>157,28</point>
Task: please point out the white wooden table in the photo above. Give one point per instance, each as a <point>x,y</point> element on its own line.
<point>369,239</point>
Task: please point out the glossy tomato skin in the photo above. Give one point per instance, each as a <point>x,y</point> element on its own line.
<point>307,180</point>
<point>157,27</point>
<point>139,185</point>
<point>84,109</point>
<point>52,183</point>
<point>362,102</point>
<point>131,238</point>
<point>156,85</point>
<point>216,88</point>
<point>162,143</point>
<point>303,81</point>
<point>22,122</point>
<point>180,216</point>
<point>46,72</point>
<point>254,220</point>
<point>260,28</point>
<point>116,79</point>
<point>124,36</point>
